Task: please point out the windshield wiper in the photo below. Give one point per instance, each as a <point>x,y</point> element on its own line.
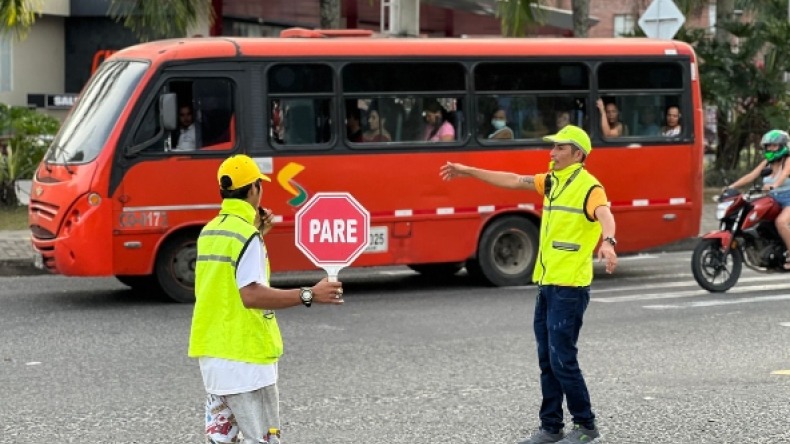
<point>56,152</point>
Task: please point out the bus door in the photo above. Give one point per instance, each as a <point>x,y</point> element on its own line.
<point>168,186</point>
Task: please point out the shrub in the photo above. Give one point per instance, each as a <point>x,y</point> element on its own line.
<point>24,137</point>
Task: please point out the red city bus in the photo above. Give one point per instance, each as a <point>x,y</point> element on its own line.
<point>120,194</point>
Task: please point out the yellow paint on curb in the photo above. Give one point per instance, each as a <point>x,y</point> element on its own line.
<point>781,372</point>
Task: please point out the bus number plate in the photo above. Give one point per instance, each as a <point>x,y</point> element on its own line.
<point>143,219</point>
<point>378,240</point>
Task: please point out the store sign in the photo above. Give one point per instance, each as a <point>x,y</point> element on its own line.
<point>61,101</point>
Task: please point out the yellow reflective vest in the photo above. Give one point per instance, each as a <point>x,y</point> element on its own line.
<point>567,236</point>
<point>222,327</point>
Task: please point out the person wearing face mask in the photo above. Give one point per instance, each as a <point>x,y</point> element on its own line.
<point>576,217</point>
<point>499,123</point>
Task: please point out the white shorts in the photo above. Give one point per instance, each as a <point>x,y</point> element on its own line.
<point>251,413</point>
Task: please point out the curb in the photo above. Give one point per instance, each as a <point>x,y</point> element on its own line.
<point>19,267</point>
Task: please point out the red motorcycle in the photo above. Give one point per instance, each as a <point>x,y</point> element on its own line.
<point>747,236</point>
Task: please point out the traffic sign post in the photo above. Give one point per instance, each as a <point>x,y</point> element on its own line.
<point>332,230</point>
<point>662,19</point>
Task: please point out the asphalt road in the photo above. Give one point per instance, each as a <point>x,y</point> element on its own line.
<point>407,360</point>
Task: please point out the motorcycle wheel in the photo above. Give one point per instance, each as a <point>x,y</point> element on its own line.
<point>713,270</point>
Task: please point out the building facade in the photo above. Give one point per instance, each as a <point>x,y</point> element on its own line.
<point>71,37</point>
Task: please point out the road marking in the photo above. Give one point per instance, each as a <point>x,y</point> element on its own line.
<point>690,284</point>
<point>689,293</point>
<point>719,302</point>
<point>781,372</point>
<point>785,324</point>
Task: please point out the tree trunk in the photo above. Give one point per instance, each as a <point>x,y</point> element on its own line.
<point>724,14</point>
<point>8,194</point>
<point>581,17</point>
<point>330,14</point>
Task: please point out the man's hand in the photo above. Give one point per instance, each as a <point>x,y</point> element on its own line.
<point>606,251</point>
<point>326,292</point>
<point>450,171</point>
<point>264,220</point>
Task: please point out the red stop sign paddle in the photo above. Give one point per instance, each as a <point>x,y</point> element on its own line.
<point>332,230</point>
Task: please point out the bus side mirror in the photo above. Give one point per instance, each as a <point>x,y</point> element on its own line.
<point>168,111</point>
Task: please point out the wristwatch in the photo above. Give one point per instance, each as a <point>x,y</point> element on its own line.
<point>306,295</point>
<point>612,241</point>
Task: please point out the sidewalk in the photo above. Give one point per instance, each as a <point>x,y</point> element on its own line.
<point>16,252</point>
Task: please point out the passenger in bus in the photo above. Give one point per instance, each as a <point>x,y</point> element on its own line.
<point>499,124</point>
<point>610,120</point>
<point>648,122</point>
<point>376,131</point>
<point>183,139</point>
<point>576,204</point>
<point>234,334</point>
<point>353,126</point>
<point>438,128</point>
<point>672,128</point>
<point>562,120</point>
<point>534,127</point>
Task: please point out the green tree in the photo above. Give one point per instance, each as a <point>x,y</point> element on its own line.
<point>149,19</point>
<point>742,72</point>
<point>518,16</point>
<point>330,14</point>
<point>24,136</point>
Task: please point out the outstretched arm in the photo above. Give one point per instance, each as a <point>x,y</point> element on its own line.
<point>502,179</point>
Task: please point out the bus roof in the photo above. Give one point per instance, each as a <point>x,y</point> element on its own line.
<point>223,47</point>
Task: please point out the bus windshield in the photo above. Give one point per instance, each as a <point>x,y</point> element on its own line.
<point>85,132</point>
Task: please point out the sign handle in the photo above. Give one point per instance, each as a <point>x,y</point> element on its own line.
<point>332,272</point>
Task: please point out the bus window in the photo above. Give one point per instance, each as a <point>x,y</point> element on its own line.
<point>536,99</point>
<point>205,116</point>
<point>300,104</point>
<point>642,93</point>
<point>405,102</point>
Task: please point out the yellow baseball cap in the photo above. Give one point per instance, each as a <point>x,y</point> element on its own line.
<point>240,171</point>
<point>573,135</point>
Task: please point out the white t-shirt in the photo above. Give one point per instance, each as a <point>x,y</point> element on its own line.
<point>186,138</point>
<point>226,377</point>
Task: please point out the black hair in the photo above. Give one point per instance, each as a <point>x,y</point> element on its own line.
<point>240,193</point>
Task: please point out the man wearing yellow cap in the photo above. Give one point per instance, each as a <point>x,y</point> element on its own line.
<point>575,218</point>
<point>234,328</point>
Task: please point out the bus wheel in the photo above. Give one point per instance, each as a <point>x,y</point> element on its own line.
<point>442,269</point>
<point>139,282</point>
<point>507,252</point>
<point>175,267</point>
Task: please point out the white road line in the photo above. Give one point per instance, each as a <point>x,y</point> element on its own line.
<point>719,302</point>
<point>785,324</point>
<point>690,283</point>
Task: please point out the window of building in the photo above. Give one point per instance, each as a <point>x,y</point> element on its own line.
<point>5,63</point>
<point>623,24</point>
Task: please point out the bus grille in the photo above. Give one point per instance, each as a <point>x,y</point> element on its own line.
<point>43,209</point>
<point>40,232</point>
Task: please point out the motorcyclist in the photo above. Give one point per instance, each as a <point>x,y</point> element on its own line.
<point>776,153</point>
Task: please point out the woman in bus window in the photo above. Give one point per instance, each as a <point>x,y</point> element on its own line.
<point>499,123</point>
<point>610,120</point>
<point>376,131</point>
<point>438,128</point>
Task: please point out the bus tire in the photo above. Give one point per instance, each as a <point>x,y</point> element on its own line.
<point>175,267</point>
<point>507,251</point>
<point>144,283</point>
<point>441,269</point>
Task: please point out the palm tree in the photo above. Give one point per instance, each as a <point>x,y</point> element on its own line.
<point>518,15</point>
<point>149,19</point>
<point>17,16</point>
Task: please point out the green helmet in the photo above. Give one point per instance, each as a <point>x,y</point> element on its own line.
<point>775,137</point>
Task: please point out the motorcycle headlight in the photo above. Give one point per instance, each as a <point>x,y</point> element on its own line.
<point>721,208</point>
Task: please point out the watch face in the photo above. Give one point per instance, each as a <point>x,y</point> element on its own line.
<point>306,295</point>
